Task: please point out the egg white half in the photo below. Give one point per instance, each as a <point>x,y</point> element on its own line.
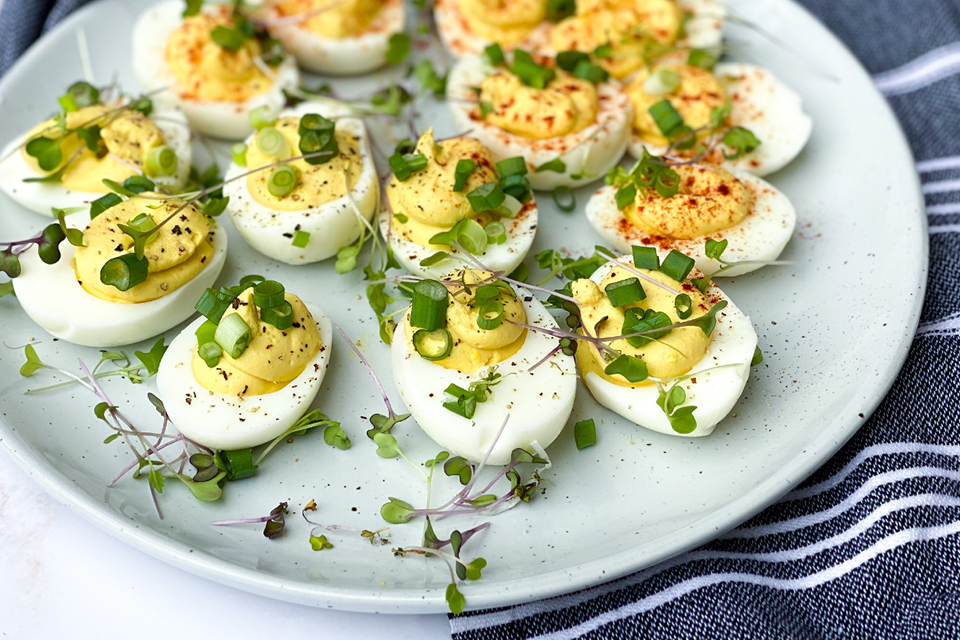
<point>587,154</point>
<point>217,118</point>
<point>719,381</point>
<point>704,29</point>
<point>352,55</point>
<point>42,197</point>
<point>760,237</point>
<point>331,225</point>
<point>52,297</point>
<point>505,257</point>
<point>764,105</point>
<point>460,40</point>
<point>227,422</point>
<point>539,402</point>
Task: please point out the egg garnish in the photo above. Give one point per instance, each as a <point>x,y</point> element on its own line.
<point>304,210</point>
<point>62,162</point>
<point>101,295</point>
<point>677,380</point>
<point>337,37</point>
<point>569,129</point>
<point>741,114</point>
<point>247,377</point>
<point>690,206</point>
<point>216,66</point>
<point>462,362</point>
<point>458,194</point>
<point>623,35</point>
<point>466,27</point>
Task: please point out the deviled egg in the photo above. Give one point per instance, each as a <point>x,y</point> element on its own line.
<point>682,206</point>
<point>570,129</point>
<point>677,381</point>
<point>101,295</point>
<point>304,210</point>
<point>217,66</point>
<point>462,362</point>
<point>63,161</point>
<point>453,191</point>
<point>623,35</point>
<point>245,373</point>
<point>336,37</point>
<point>466,27</point>
<point>756,122</point>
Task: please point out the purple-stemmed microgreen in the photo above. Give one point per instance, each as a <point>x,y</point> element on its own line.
<point>275,521</point>
<point>333,433</point>
<point>379,536</point>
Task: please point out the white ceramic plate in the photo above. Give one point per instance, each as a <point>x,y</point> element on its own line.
<point>835,329</point>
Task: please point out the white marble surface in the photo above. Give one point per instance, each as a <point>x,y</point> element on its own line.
<point>58,572</point>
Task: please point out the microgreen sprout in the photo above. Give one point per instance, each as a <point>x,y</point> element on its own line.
<point>275,521</point>
<point>149,362</point>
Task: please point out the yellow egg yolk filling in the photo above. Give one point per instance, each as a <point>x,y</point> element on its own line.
<point>473,347</point>
<point>504,21</point>
<point>625,25</point>
<point>273,358</point>
<point>317,184</point>
<point>182,249</point>
<point>427,198</point>
<point>127,135</point>
<point>708,200</point>
<point>672,355</point>
<point>566,105</point>
<point>207,71</point>
<point>333,18</point>
<point>697,96</point>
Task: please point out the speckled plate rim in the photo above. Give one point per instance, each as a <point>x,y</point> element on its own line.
<point>840,430</point>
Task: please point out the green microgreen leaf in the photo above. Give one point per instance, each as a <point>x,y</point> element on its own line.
<point>460,467</point>
<point>319,543</point>
<point>33,363</point>
<point>398,48</point>
<point>556,165</point>
<point>741,141</point>
<point>455,600</point>
<point>630,367</point>
<point>193,8</point>
<point>335,436</point>
<point>10,263</point>
<point>396,511</point>
<point>387,446</point>
<point>151,359</point>
<point>714,249</point>
<point>474,568</point>
<point>429,79</point>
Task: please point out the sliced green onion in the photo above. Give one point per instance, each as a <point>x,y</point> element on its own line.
<point>262,116</point>
<point>516,186</point>
<point>661,82</point>
<point>667,183</point>
<point>624,292</point>
<point>230,39</point>
<point>516,166</point>
<point>683,305</point>
<point>494,54</point>
<point>702,59</point>
<point>398,47</point>
<point>268,294</point>
<point>210,353</point>
<point>557,10</point>
<point>496,232</point>
<point>124,272</point>
<point>272,143</point>
<point>509,208</point>
<point>565,199</point>
<point>568,60</point>
<point>213,304</point>
<point>625,196</point>
<point>280,316</point>
<point>300,239</point>
<point>677,265</point>
<point>472,237</point>
<point>205,333</point>
<point>282,181</point>
<point>405,165</point>
<point>429,307</point>
<point>252,279</point>
<point>485,109</point>
<point>239,154</point>
<point>462,401</point>
<point>646,258</point>
<point>556,165</point>
<point>461,174</point>
<point>585,434</point>
<point>490,315</point>
<point>668,119</point>
<point>405,146</point>
<point>529,72</point>
<point>486,197</point>
<point>318,134</point>
<point>590,72</point>
<point>238,464</point>
<point>433,345</point>
<point>161,161</point>
<point>143,223</point>
<point>233,334</point>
